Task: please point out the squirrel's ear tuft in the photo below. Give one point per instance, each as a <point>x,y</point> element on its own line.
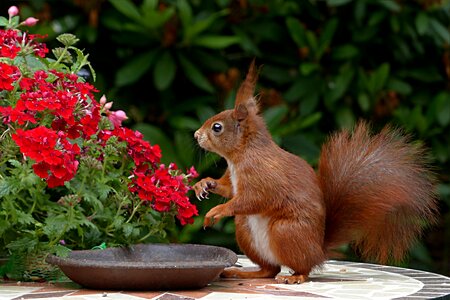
<point>240,112</point>
<point>245,94</point>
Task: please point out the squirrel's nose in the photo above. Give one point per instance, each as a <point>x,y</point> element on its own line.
<point>196,135</point>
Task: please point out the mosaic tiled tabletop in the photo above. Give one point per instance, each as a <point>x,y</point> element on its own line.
<point>336,280</point>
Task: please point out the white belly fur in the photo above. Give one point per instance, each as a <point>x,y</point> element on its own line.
<point>259,227</point>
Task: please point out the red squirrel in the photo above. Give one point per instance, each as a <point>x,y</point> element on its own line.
<point>374,192</point>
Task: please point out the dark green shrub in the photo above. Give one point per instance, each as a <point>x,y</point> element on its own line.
<point>173,64</point>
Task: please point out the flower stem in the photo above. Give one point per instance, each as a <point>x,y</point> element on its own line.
<point>60,58</point>
<point>134,212</point>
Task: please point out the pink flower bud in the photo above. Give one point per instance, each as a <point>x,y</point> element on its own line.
<point>108,105</point>
<point>30,21</point>
<point>116,117</point>
<point>192,172</point>
<point>13,11</point>
<point>103,100</point>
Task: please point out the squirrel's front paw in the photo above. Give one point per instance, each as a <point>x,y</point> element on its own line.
<point>203,187</point>
<point>215,214</point>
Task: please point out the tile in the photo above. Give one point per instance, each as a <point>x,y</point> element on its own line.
<point>40,295</point>
<point>356,282</point>
<point>233,296</point>
<point>170,296</point>
<point>14,291</point>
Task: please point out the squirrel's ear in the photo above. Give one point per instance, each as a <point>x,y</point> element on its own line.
<point>240,112</point>
<point>245,94</point>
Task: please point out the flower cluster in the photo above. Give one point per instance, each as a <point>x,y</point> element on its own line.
<point>52,116</point>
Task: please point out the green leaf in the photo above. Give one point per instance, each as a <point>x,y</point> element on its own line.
<point>344,52</point>
<point>378,78</point>
<point>4,226</point>
<point>25,242</point>
<point>127,8</point>
<point>376,18</point>
<point>195,75</point>
<point>127,229</point>
<point>326,37</point>
<point>149,5</point>
<point>184,122</point>
<point>3,21</point>
<point>309,104</point>
<point>303,87</point>
<point>297,32</point>
<point>61,251</point>
<point>24,218</point>
<point>56,226</point>
<point>418,120</point>
<point>135,68</point>
<point>338,86</point>
<point>5,188</point>
<point>164,72</point>
<point>400,86</point>
<point>103,190</point>
<point>312,40</point>
<point>185,12</point>
<point>247,42</point>
<point>215,41</point>
<point>184,143</point>
<point>274,115</point>
<point>390,5</point>
<point>298,124</point>
<point>302,145</point>
<point>345,118</point>
<point>441,31</point>
<point>338,2</point>
<point>154,19</point>
<point>276,74</point>
<point>422,23</point>
<point>443,108</point>
<point>67,39</point>
<point>360,11</point>
<point>364,102</point>
<point>307,68</point>
<point>15,163</point>
<point>193,29</point>
<point>204,113</point>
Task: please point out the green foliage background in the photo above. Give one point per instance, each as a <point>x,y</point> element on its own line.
<point>172,64</point>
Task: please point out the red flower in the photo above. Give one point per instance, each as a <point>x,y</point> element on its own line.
<point>7,73</point>
<point>9,43</point>
<point>26,83</point>
<point>55,109</point>
<point>54,156</point>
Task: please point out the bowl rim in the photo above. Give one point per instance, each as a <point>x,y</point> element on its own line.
<point>230,260</point>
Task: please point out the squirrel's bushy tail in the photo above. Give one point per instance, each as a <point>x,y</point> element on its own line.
<point>379,192</point>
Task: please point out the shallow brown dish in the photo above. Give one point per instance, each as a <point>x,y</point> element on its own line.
<point>146,266</point>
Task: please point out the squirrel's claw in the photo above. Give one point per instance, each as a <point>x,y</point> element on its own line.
<point>205,193</point>
<point>208,222</point>
<point>202,189</point>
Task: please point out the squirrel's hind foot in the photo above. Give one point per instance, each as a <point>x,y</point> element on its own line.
<point>291,279</point>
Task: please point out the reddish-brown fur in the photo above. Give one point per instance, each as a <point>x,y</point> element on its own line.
<point>374,192</point>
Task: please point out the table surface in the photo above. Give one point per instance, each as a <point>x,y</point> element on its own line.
<point>335,280</point>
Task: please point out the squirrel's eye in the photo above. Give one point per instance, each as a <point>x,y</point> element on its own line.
<point>217,127</point>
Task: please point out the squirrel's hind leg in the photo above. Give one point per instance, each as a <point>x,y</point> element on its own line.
<point>266,272</point>
<point>298,247</point>
<point>246,244</point>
